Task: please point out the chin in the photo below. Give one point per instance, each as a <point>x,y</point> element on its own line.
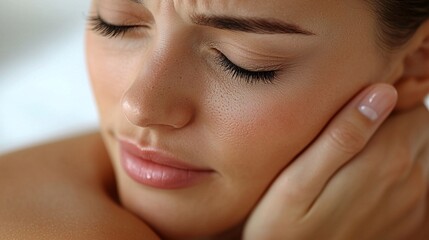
<point>183,214</point>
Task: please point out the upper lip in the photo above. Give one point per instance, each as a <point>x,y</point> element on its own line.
<point>157,156</point>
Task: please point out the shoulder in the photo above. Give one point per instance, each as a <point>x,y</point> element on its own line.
<point>78,159</point>
<point>59,153</point>
<point>63,190</point>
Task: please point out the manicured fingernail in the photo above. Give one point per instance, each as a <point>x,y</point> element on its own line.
<point>377,102</point>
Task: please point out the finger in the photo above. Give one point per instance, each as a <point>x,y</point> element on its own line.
<point>390,164</point>
<point>360,195</point>
<point>415,137</point>
<point>344,137</point>
<point>407,205</point>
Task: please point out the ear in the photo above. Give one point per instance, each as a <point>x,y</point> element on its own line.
<point>413,85</point>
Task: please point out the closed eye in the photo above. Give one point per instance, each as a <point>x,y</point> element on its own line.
<point>249,76</point>
<point>109,30</point>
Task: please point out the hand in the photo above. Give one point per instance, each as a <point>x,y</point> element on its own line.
<point>340,187</point>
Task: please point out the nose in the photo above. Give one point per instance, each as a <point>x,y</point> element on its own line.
<point>160,96</point>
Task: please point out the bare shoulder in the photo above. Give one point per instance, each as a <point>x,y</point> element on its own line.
<point>80,157</point>
<point>66,154</point>
<point>63,190</point>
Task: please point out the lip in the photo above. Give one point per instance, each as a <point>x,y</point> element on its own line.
<point>155,168</point>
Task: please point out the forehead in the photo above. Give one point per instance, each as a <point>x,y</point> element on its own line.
<point>310,14</point>
<point>253,5</point>
<point>271,8</point>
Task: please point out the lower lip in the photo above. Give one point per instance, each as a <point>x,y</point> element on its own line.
<point>157,175</point>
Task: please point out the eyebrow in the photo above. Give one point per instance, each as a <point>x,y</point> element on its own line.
<point>250,25</point>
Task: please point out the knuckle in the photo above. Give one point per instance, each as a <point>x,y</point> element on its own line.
<point>299,193</point>
<point>348,138</point>
<point>296,193</point>
<point>398,167</point>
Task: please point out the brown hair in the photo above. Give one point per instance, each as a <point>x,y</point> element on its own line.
<point>399,20</point>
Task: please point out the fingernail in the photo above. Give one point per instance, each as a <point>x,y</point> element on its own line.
<point>377,102</point>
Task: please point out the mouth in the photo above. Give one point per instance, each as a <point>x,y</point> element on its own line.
<point>155,168</point>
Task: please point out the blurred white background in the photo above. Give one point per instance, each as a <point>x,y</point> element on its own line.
<point>44,92</point>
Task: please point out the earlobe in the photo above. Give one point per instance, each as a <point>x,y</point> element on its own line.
<point>411,92</point>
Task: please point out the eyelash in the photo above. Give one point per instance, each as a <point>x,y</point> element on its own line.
<point>108,30</point>
<point>245,74</point>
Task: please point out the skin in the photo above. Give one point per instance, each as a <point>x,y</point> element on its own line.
<point>213,115</point>
<point>162,86</point>
<point>299,205</point>
<point>63,190</point>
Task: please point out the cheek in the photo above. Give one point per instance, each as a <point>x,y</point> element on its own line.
<point>260,129</point>
<point>258,134</point>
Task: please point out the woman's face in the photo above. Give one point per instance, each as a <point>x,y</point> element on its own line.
<point>231,90</point>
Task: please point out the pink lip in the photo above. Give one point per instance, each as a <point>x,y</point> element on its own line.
<point>156,169</point>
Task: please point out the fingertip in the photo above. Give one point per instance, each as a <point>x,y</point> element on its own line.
<point>378,102</point>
